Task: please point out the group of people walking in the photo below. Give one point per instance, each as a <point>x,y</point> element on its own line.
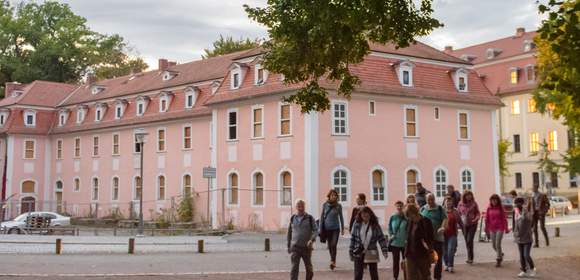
<point>420,233</point>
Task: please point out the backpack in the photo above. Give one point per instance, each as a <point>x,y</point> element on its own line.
<point>308,216</point>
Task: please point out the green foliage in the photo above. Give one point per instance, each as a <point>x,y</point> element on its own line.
<point>185,210</point>
<point>545,163</point>
<point>47,41</point>
<point>559,67</point>
<point>229,45</point>
<point>311,40</point>
<point>503,146</point>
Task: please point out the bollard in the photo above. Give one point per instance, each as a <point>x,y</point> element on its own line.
<point>131,245</point>
<point>77,231</point>
<point>200,246</point>
<point>267,245</point>
<point>96,232</point>
<point>58,246</point>
<point>557,229</point>
<point>115,231</point>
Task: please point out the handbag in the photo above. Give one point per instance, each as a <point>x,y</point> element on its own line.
<point>322,231</point>
<point>372,256</point>
<point>433,256</point>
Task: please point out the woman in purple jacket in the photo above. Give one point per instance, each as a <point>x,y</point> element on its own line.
<point>469,212</point>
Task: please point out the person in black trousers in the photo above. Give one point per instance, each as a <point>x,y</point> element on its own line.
<point>361,201</point>
<point>366,233</point>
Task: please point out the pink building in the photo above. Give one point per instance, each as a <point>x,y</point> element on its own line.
<point>420,115</point>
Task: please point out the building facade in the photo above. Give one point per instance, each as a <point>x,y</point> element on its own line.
<point>419,115</point>
<point>508,66</point>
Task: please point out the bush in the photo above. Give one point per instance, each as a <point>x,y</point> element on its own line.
<point>185,211</point>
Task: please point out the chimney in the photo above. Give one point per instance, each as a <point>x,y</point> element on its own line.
<point>91,78</point>
<point>448,49</point>
<point>172,63</point>
<point>10,86</point>
<point>163,64</point>
<point>520,31</point>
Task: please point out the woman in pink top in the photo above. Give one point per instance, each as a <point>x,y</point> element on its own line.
<point>496,225</point>
<point>469,212</point>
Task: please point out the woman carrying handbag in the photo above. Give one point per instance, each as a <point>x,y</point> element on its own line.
<point>366,233</point>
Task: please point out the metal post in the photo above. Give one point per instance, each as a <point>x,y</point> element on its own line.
<point>140,230</point>
<point>131,245</point>
<point>208,200</point>
<point>223,207</point>
<point>267,245</point>
<point>200,246</point>
<point>58,246</point>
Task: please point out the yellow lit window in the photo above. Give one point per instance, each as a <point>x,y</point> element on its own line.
<point>514,76</point>
<point>553,140</point>
<point>534,142</point>
<point>515,107</point>
<point>532,106</point>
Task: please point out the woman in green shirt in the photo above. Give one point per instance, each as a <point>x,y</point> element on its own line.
<point>398,237</point>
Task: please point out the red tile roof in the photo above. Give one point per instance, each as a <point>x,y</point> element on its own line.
<point>509,46</point>
<point>39,93</point>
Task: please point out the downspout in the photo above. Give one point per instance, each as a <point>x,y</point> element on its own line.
<point>4,168</point>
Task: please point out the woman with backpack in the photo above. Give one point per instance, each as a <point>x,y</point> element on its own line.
<point>331,224</point>
<point>398,237</point>
<point>366,234</point>
<point>496,225</point>
<point>469,211</point>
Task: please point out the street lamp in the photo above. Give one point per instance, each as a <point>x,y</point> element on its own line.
<point>140,140</point>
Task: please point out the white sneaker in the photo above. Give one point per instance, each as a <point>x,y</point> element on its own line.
<point>522,274</point>
<point>532,273</point>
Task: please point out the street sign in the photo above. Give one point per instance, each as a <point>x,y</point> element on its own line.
<point>209,172</point>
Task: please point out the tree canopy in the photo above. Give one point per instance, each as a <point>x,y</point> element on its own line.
<point>310,40</point>
<point>47,41</point>
<point>229,45</point>
<point>559,70</point>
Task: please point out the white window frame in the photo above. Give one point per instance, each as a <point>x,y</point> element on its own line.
<point>119,111</point>
<point>113,144</point>
<point>134,196</point>
<point>62,118</point>
<point>229,189</point>
<point>29,114</point>
<point>80,115</point>
<point>513,108</point>
<point>384,182</point>
<point>236,125</point>
<point>468,116</point>
<point>92,192</point>
<point>140,108</point>
<point>552,146</point>
<point>406,66</point>
<point>235,72</point>
<point>163,99</point>
<point>462,182</point>
<point>75,148</point>
<point>59,150</point>
<point>258,67</point>
<point>416,108</point>
<point>98,113</point>
<point>190,93</point>
<point>372,108</point>
<point>280,120</point>
<point>98,145</point>
<point>33,148</point>
<point>527,68</point>
<point>462,73</point>
<point>183,137</point>
<point>74,184</point>
<point>164,140</point>
<point>444,184</point>
<point>253,121</point>
<point>531,142</point>
<point>3,117</point>
<point>333,118</point>
<point>281,187</point>
<point>348,185</point>
<point>183,183</point>
<point>253,181</point>
<point>113,188</point>
<point>158,184</point>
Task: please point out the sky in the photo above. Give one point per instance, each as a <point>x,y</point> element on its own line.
<point>179,30</point>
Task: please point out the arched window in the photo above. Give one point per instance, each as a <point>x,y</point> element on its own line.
<point>138,185</point>
<point>28,187</point>
<point>440,183</point>
<point>186,185</point>
<point>340,184</point>
<point>412,178</point>
<point>233,188</point>
<point>77,185</point>
<point>258,189</point>
<point>115,189</point>
<point>161,187</point>
<point>27,204</point>
<point>95,194</point>
<point>466,180</point>
<point>286,188</point>
<point>378,181</point>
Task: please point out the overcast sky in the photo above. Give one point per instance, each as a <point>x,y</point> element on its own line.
<point>180,29</point>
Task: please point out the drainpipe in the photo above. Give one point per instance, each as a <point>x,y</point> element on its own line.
<point>4,168</point>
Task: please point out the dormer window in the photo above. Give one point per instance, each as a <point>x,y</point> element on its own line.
<point>190,97</point>
<point>168,75</point>
<point>81,112</point>
<point>142,102</point>
<point>164,101</point>
<point>405,73</point>
<point>529,45</point>
<point>30,118</point>
<point>15,93</point>
<point>236,80</point>
<point>514,76</point>
<point>260,75</point>
<point>120,108</point>
<point>215,85</point>
<point>100,112</point>
<point>62,117</point>
<point>97,89</point>
<point>237,71</point>
<point>3,117</point>
<point>460,79</point>
<point>492,53</point>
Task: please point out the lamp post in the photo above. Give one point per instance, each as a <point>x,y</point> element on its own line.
<point>140,140</point>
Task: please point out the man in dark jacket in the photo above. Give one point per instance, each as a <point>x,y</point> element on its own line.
<point>541,205</point>
<point>454,194</point>
<point>301,235</point>
<point>421,195</point>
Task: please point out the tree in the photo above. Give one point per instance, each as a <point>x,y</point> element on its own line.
<point>47,41</point>
<point>185,210</point>
<point>228,45</point>
<point>558,62</point>
<point>311,40</point>
<point>545,164</point>
<point>503,146</point>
